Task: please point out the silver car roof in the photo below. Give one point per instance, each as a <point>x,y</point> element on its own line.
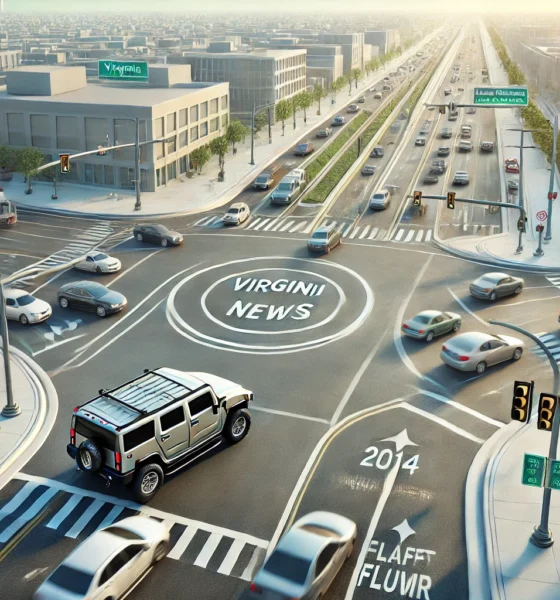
<point>95,551</point>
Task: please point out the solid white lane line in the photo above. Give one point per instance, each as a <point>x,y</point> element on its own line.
<point>428,236</point>
<point>526,302</point>
<point>253,223</point>
<point>248,572</point>
<point>364,232</point>
<point>410,235</point>
<point>283,413</point>
<point>82,522</point>
<point>373,233</point>
<point>209,548</point>
<point>31,512</point>
<point>70,505</point>
<point>182,543</point>
<point>467,309</point>
<point>273,222</point>
<point>231,557</point>
<point>298,226</point>
<point>17,500</point>
<point>419,235</point>
<point>399,235</point>
<point>463,408</point>
<point>354,233</point>
<point>287,225</point>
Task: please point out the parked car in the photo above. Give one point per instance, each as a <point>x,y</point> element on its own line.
<point>23,307</point>
<point>430,178</point>
<point>465,146</point>
<point>430,323</point>
<point>492,286</point>
<point>420,141</point>
<point>512,165</point>
<point>461,178</point>
<point>475,351</point>
<point>155,425</point>
<point>444,151</point>
<point>92,297</point>
<point>378,95</point>
<point>324,239</point>
<point>377,152</point>
<point>323,133</point>
<point>487,146</point>
<point>304,149</point>
<point>157,234</point>
<point>338,120</point>
<point>353,108</point>
<point>238,213</point>
<point>368,170</point>
<point>99,262</point>
<point>361,99</point>
<point>307,558</point>
<point>380,200</point>
<point>109,562</point>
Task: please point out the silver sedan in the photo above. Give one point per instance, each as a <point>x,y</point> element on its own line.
<point>475,351</point>
<point>306,559</point>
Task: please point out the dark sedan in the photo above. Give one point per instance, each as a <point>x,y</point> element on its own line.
<point>431,178</point>
<point>92,297</point>
<point>157,234</point>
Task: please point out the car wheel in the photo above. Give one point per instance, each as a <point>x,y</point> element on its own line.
<point>481,367</point>
<point>517,353</point>
<point>163,243</point>
<point>456,326</point>
<point>161,551</point>
<point>63,302</point>
<point>493,296</point>
<point>23,320</point>
<point>101,311</point>
<point>139,237</point>
<point>147,481</point>
<point>430,336</point>
<point>518,290</point>
<point>237,425</point>
<point>89,457</point>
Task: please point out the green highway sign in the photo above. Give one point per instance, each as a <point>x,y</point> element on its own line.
<point>123,70</point>
<point>501,96</point>
<point>534,468</point>
<point>553,481</point>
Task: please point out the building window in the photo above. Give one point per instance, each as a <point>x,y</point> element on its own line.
<point>171,122</point>
<point>183,139</point>
<point>194,113</point>
<point>127,177</point>
<point>88,177</point>
<point>109,175</point>
<point>183,117</point>
<point>183,164</point>
<point>194,133</point>
<point>125,133</point>
<point>172,145</point>
<point>224,121</point>
<point>203,110</point>
<point>224,102</point>
<point>16,130</point>
<point>98,174</point>
<point>67,137</point>
<point>158,177</point>
<point>204,129</point>
<point>97,132</point>
<point>40,131</point>
<point>172,171</point>
<point>214,124</point>
<point>214,106</point>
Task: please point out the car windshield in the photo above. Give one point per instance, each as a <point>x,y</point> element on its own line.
<point>262,178</point>
<point>302,146</point>
<point>320,235</point>
<point>285,187</point>
<point>423,319</point>
<point>97,291</point>
<point>123,533</point>
<point>25,300</point>
<point>100,256</point>
<point>72,580</point>
<point>233,211</point>
<point>288,567</point>
<point>378,197</point>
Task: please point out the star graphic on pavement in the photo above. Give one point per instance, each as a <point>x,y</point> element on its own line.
<point>401,440</point>
<point>404,530</point>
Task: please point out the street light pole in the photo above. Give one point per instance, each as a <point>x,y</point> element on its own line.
<point>548,235</point>
<point>269,125</point>
<point>11,409</point>
<point>253,135</point>
<point>138,205</point>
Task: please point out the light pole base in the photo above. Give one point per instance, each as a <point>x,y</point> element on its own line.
<point>541,539</point>
<point>12,410</point>
<point>538,252</point>
<point>519,250</point>
<point>137,207</point>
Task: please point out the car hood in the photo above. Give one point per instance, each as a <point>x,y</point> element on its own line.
<point>38,306</point>
<point>173,235</point>
<point>112,297</point>
<point>231,217</point>
<point>109,262</point>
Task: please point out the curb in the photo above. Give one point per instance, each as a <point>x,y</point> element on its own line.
<point>42,423</point>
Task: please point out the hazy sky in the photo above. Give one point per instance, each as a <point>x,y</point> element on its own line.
<point>285,5</point>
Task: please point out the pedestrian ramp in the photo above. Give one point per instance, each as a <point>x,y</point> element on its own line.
<point>51,510</point>
<point>552,343</point>
<point>555,281</point>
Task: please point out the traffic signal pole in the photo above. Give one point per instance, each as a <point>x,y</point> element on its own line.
<point>542,536</point>
<point>548,235</point>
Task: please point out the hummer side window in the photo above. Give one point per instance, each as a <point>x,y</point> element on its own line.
<point>172,418</point>
<point>201,403</point>
<point>138,436</point>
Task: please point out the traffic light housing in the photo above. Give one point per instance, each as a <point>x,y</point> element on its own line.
<point>65,163</point>
<point>417,199</point>
<point>451,200</point>
<point>522,401</point>
<point>547,408</point>
<point>521,224</point>
<point>452,107</point>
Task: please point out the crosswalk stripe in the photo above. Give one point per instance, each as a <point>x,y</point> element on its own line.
<point>182,543</point>
<point>354,233</point>
<point>202,221</point>
<point>347,230</point>
<point>17,500</point>
<point>278,224</point>
<point>88,515</point>
<point>73,501</point>
<point>231,557</point>
<point>373,233</point>
<point>364,232</point>
<point>273,222</point>
<point>263,222</point>
<point>428,236</point>
<point>253,223</point>
<point>31,512</point>
<point>287,225</point>
<point>409,236</point>
<point>248,572</point>
<point>206,553</point>
<point>110,518</point>
<point>298,226</point>
<point>308,228</point>
<point>399,235</point>
<point>419,235</point>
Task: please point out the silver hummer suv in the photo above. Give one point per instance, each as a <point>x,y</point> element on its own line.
<point>155,425</point>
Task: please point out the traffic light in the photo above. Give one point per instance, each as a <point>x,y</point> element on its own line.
<point>442,110</point>
<point>417,199</point>
<point>101,151</point>
<point>547,408</point>
<point>65,163</point>
<point>522,401</point>
<point>452,107</point>
<point>521,224</point>
<point>451,200</point>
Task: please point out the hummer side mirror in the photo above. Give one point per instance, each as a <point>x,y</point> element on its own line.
<point>215,409</point>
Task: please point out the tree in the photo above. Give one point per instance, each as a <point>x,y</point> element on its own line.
<point>199,157</point>
<point>319,92</point>
<point>349,78</point>
<point>294,101</point>
<point>283,112</point>
<point>305,102</point>
<point>261,121</point>
<point>235,132</point>
<point>7,158</point>
<point>28,161</point>
<point>357,75</point>
<point>51,175</point>
<point>219,147</point>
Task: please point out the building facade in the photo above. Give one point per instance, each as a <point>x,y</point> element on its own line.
<point>352,45</point>
<point>10,59</point>
<point>386,40</point>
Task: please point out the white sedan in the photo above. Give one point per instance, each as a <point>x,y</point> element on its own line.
<point>109,562</point>
<point>238,213</point>
<point>99,262</point>
<point>23,307</point>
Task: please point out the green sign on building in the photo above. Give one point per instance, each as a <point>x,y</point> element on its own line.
<point>553,475</point>
<point>123,70</point>
<point>501,96</point>
<point>534,469</point>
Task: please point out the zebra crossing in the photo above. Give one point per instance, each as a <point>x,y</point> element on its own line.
<point>555,281</point>
<point>81,244</point>
<point>552,342</point>
<point>64,511</point>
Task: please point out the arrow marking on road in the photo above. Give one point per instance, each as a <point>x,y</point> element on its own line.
<point>404,530</point>
<point>401,440</point>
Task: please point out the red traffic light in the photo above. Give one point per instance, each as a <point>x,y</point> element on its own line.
<point>555,195</point>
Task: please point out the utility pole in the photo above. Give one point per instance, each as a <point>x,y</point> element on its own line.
<point>138,205</point>
<point>548,235</point>
<point>253,135</point>
<point>11,409</point>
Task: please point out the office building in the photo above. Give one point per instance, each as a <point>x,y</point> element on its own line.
<point>352,45</point>
<point>386,40</point>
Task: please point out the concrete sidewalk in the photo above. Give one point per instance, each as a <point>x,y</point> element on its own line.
<point>22,436</point>
<point>202,192</point>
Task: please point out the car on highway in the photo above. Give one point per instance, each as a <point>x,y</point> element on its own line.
<point>378,95</point>
<point>109,562</point>
<point>454,79</point>
<point>99,262</point>
<point>380,199</point>
<point>438,166</point>
<point>512,185</point>
<point>307,558</point>
<point>91,296</point>
<point>373,90</point>
<point>338,120</point>
<point>323,133</point>
<point>324,239</point>
<point>265,179</point>
<point>466,131</point>
<point>426,127</point>
<point>446,133</point>
<point>430,108</point>
<point>471,110</point>
<point>461,178</point>
<point>377,152</point>
<point>492,286</point>
<point>368,170</point>
<point>157,234</point>
<point>353,108</point>
<point>23,307</point>
<point>476,351</point>
<point>386,79</point>
<point>304,149</point>
<point>453,115</point>
<point>511,165</point>
<point>387,87</point>
<point>291,186</point>
<point>444,151</point>
<point>486,146</point>
<point>430,178</point>
<point>447,91</point>
<point>361,99</point>
<point>465,146</point>
<point>238,213</point>
<point>429,323</point>
<point>420,141</point>
<point>141,431</point>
